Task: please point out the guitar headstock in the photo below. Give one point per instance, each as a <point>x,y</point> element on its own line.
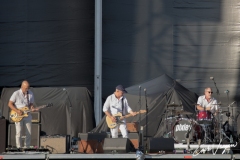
<point>142,111</point>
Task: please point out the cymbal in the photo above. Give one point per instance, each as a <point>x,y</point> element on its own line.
<point>183,112</point>
<point>217,104</point>
<point>211,104</point>
<point>225,111</point>
<point>174,105</point>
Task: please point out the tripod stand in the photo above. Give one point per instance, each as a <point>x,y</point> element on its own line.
<point>221,136</point>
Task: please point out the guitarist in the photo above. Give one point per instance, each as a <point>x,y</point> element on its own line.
<point>118,103</point>
<point>22,98</point>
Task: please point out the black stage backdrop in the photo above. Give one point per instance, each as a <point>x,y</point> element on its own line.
<point>49,43</point>
<point>190,40</point>
<point>71,113</point>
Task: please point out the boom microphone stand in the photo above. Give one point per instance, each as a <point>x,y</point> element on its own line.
<point>212,78</point>
<point>219,116</point>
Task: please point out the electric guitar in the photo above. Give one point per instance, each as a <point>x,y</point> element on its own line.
<point>17,118</point>
<point>119,117</point>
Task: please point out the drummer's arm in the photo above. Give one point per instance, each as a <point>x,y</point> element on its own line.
<point>200,108</point>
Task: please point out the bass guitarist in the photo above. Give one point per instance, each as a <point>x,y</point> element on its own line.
<point>19,99</point>
<point>114,104</point>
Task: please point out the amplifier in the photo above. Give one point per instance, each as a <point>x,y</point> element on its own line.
<point>91,142</point>
<point>34,138</point>
<point>3,135</point>
<point>56,144</point>
<point>132,127</point>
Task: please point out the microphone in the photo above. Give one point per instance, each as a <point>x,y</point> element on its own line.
<point>211,78</point>
<point>231,103</point>
<point>227,91</point>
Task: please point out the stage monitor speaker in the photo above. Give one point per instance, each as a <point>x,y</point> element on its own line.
<point>156,145</point>
<point>91,142</point>
<point>56,144</point>
<point>3,135</point>
<point>117,145</point>
<point>34,138</point>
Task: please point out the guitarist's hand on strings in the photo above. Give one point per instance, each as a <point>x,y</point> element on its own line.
<point>133,113</point>
<point>110,116</point>
<point>34,109</point>
<point>19,112</point>
<point>113,119</point>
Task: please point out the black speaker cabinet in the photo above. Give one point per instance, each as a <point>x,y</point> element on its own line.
<point>117,145</point>
<point>160,144</point>
<point>56,144</point>
<point>3,135</point>
<point>34,137</point>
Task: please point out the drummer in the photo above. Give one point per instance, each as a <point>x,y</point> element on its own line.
<point>207,102</point>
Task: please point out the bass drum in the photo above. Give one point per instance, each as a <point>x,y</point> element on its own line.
<point>184,128</point>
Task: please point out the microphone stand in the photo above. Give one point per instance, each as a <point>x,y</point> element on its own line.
<point>139,121</point>
<point>220,123</point>
<point>70,115</point>
<point>216,88</point>
<point>145,91</point>
<point>228,113</point>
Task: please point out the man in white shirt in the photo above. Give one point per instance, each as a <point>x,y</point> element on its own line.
<point>207,102</point>
<point>115,103</point>
<point>23,98</point>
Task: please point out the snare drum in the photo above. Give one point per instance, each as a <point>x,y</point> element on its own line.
<point>204,117</point>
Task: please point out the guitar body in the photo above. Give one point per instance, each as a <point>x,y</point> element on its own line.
<point>112,124</point>
<point>17,118</point>
<point>119,117</point>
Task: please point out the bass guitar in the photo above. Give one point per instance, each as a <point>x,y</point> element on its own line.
<point>15,117</point>
<point>119,117</point>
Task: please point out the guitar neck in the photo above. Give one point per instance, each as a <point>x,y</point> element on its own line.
<point>128,115</point>
<point>40,107</point>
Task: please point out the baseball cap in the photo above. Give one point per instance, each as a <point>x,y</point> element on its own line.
<point>121,88</point>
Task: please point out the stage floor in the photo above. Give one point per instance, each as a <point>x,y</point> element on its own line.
<point>205,151</point>
<point>116,156</point>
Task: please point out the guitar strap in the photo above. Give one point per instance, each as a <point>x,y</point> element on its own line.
<point>122,107</point>
<point>28,100</point>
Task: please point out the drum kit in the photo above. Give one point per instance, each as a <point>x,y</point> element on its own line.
<point>206,128</point>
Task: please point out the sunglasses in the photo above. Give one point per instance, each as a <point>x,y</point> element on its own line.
<point>210,92</point>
